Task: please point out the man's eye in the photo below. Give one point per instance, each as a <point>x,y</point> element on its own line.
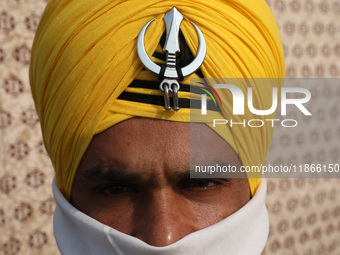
<point>115,190</point>
<point>201,183</point>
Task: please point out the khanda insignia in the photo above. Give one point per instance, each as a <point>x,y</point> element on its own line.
<point>171,72</point>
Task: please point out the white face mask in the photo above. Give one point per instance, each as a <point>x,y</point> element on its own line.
<point>244,232</point>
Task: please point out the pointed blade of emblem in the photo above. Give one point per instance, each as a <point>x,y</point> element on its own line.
<point>173,22</point>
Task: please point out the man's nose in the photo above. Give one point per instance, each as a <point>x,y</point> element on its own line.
<point>163,218</point>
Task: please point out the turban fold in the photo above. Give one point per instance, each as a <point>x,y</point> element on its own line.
<point>84,56</point>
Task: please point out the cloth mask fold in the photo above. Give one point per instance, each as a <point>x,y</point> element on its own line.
<point>78,234</point>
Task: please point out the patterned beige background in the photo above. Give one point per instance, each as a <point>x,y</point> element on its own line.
<point>304,213</point>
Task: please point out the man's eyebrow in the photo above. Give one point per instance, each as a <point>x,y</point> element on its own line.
<point>184,173</point>
<point>113,174</point>
<point>225,174</point>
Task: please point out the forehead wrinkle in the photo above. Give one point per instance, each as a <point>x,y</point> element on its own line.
<point>175,170</point>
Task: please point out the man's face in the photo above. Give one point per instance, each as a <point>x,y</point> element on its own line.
<point>135,178</point>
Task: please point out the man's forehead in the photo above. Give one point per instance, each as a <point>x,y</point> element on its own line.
<point>140,135</point>
<point>149,146</point>
<point>138,140</point>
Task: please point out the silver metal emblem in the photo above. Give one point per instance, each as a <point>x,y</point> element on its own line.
<point>171,48</point>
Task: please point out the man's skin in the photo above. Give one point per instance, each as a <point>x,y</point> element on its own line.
<point>135,177</point>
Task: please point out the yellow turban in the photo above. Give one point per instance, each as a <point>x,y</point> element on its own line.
<point>84,56</point>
